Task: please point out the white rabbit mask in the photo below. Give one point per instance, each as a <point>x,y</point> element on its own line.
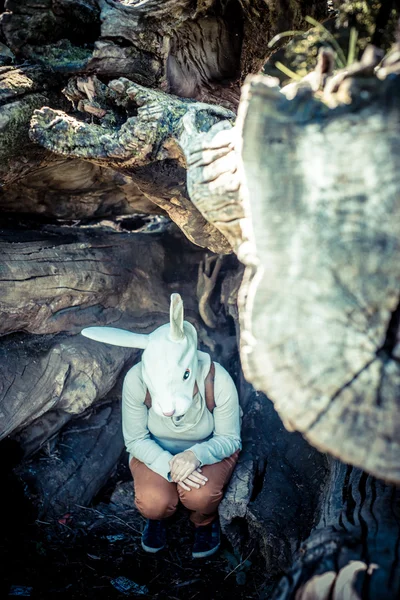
<point>169,360</point>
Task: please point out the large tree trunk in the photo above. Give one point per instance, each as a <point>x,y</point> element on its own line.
<point>319,309</point>
<point>320,313</point>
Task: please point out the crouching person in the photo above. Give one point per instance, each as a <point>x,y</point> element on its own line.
<point>181,425</point>
<point>185,458</point>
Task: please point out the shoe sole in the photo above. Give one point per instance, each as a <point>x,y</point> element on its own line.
<point>206,553</point>
<point>150,549</point>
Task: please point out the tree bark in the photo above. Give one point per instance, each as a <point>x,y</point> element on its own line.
<point>353,551</point>
<point>22,90</point>
<point>201,49</point>
<point>147,147</point>
<point>319,308</point>
<point>77,466</point>
<point>278,478</point>
<point>63,279</point>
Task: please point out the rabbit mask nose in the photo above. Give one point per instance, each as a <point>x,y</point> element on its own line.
<point>169,414</point>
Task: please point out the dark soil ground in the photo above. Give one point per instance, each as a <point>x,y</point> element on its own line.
<point>81,555</point>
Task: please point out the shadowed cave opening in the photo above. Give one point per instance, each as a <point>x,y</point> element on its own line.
<point>70,495</point>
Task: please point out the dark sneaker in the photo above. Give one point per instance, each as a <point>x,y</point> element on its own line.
<point>206,540</point>
<point>154,536</point>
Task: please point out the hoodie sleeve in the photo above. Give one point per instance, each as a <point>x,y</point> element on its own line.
<point>225,439</point>
<point>137,437</point>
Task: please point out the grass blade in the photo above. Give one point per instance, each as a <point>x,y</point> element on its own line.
<point>279,36</point>
<point>341,59</point>
<point>287,71</point>
<point>351,56</point>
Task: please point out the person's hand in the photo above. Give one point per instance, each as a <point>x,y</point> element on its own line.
<point>182,465</point>
<point>195,480</point>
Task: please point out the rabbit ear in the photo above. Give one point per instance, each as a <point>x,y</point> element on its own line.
<point>177,333</point>
<point>116,337</point>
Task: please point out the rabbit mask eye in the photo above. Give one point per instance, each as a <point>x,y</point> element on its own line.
<point>186,374</point>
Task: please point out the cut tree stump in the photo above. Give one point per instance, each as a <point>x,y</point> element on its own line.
<point>319,304</point>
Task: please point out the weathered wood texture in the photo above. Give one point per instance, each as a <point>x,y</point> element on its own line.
<point>66,279</point>
<point>319,307</point>
<point>22,90</point>
<point>214,183</point>
<point>72,189</point>
<point>56,282</point>
<point>53,380</point>
<point>200,50</point>
<point>278,478</point>
<point>193,49</point>
<point>146,145</point>
<point>353,551</point>
<point>78,465</point>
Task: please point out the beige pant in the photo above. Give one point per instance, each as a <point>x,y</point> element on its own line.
<point>157,498</point>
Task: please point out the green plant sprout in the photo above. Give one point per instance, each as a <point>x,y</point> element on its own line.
<point>238,565</point>
<point>342,61</point>
<point>352,53</point>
